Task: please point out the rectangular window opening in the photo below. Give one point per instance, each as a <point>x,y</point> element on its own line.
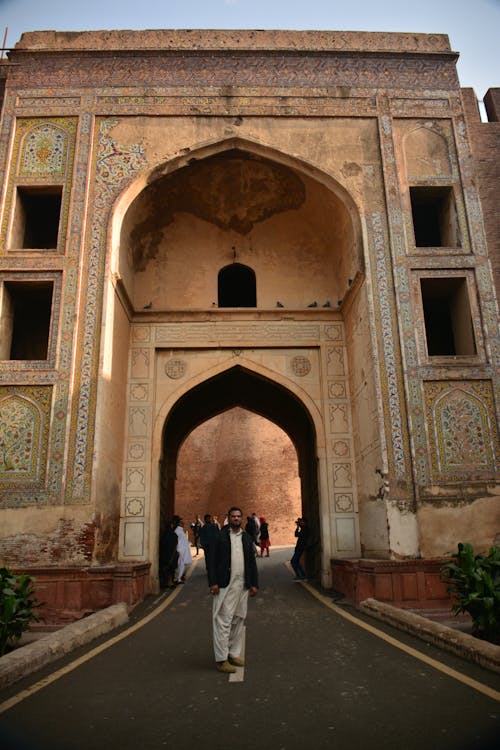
<point>26,308</point>
<point>448,320</point>
<point>435,220</point>
<point>36,218</point>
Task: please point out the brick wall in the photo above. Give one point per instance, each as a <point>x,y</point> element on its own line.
<point>240,458</point>
<point>485,143</point>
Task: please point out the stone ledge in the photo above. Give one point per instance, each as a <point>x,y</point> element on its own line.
<point>27,659</point>
<point>119,40</point>
<point>480,652</point>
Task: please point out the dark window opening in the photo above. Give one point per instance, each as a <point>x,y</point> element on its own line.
<point>447,316</point>
<point>236,286</point>
<point>434,213</point>
<point>26,316</point>
<point>37,217</point>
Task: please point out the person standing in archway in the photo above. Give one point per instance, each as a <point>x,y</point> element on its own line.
<point>196,527</point>
<point>185,558</point>
<point>302,536</point>
<point>232,578</point>
<point>168,557</point>
<point>208,534</point>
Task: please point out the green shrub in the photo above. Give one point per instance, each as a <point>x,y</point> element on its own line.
<point>474,581</point>
<point>17,607</point>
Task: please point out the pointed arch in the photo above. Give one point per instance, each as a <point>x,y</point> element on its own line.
<point>195,153</point>
<point>250,387</point>
<point>426,153</point>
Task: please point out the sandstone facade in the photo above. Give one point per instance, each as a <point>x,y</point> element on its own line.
<point>250,265</point>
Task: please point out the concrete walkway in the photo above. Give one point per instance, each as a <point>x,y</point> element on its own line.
<point>318,673</point>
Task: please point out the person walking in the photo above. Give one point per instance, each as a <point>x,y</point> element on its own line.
<point>264,540</point>
<point>184,550</point>
<point>232,578</point>
<point>302,536</point>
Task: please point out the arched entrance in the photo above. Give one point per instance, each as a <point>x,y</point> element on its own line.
<point>239,386</point>
<point>296,355</point>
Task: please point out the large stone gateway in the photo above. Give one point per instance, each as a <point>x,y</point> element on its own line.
<point>276,238</point>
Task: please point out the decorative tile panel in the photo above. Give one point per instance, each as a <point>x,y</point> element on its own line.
<point>24,436</point>
<point>44,152</point>
<point>113,168</point>
<point>246,68</point>
<point>463,433</point>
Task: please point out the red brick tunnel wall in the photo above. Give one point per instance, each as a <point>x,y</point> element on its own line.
<point>243,459</point>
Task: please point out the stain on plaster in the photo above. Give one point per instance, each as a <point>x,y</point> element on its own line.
<point>234,190</point>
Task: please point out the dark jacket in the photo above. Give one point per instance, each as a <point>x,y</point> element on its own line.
<point>302,534</point>
<point>208,534</point>
<point>219,560</point>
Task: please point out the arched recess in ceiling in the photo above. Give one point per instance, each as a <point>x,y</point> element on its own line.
<point>294,225</point>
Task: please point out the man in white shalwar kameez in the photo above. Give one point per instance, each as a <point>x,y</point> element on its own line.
<point>232,577</point>
<point>184,550</point>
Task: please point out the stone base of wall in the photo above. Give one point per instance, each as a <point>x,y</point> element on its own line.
<point>69,594</point>
<point>410,584</point>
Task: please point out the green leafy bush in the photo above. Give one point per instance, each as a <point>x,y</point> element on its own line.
<point>17,607</point>
<point>474,581</point>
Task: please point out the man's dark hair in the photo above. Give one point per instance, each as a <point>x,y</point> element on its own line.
<point>207,517</point>
<point>233,508</point>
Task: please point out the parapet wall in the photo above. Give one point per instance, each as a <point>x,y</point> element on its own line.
<point>485,145</point>
<point>227,39</point>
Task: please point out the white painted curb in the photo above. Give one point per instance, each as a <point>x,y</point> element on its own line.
<point>26,659</point>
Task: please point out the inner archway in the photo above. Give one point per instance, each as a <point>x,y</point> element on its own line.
<point>239,457</point>
<point>239,387</point>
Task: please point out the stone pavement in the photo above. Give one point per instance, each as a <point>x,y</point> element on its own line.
<point>313,676</point>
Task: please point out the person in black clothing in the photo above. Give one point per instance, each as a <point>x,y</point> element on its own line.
<point>196,527</point>
<point>252,530</point>
<point>208,534</point>
<point>302,535</point>
<point>168,556</point>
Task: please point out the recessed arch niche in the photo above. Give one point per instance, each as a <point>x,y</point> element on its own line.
<point>295,227</point>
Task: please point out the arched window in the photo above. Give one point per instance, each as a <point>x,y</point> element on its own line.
<point>236,286</point>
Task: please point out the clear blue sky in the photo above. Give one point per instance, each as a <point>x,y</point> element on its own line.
<point>473,26</point>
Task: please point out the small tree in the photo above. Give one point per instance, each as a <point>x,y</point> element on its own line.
<point>17,605</point>
<point>475,582</point>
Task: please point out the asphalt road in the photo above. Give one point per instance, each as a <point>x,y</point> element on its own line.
<point>313,679</point>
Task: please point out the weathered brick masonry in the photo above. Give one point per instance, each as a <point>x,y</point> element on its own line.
<point>485,143</point>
